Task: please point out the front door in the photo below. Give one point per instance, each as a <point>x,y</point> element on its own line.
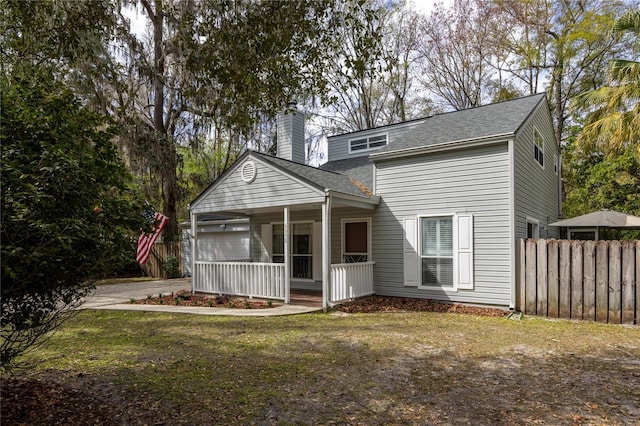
<point>301,248</point>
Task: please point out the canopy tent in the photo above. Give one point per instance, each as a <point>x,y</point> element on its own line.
<point>597,220</point>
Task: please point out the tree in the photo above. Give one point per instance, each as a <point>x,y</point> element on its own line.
<point>67,212</point>
<point>207,75</point>
<point>459,51</point>
<point>613,123</point>
<point>596,181</point>
<point>568,40</point>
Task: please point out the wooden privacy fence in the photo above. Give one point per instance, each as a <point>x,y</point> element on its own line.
<point>156,265</point>
<point>589,280</point>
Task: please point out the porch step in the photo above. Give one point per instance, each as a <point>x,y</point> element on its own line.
<point>306,298</point>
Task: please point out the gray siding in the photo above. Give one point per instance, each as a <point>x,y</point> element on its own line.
<point>270,188</point>
<point>473,181</point>
<point>338,146</point>
<point>536,188</point>
<point>291,136</point>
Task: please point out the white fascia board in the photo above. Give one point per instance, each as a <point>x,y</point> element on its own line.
<point>355,201</point>
<point>446,146</point>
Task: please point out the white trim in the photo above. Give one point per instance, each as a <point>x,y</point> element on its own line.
<point>512,224</point>
<point>445,146</point>
<point>454,236</point>
<point>342,239</point>
<point>533,143</point>
<point>533,221</point>
<point>361,202</point>
<point>368,138</point>
<point>287,259</point>
<point>194,248</point>
<point>326,252</point>
<point>374,171</point>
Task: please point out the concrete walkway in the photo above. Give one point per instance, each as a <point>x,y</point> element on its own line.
<point>117,297</point>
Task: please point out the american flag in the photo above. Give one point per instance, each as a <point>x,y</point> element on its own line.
<point>145,242</point>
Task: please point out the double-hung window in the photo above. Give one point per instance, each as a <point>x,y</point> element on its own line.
<point>436,251</point>
<point>538,147</point>
<point>366,144</point>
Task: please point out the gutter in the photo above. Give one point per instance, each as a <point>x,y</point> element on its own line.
<point>445,146</point>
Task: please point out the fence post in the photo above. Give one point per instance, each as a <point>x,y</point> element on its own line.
<point>530,279</point>
<point>602,281</point>
<point>576,280</point>
<point>589,282</point>
<point>541,277</point>
<point>553,282</point>
<point>628,282</point>
<point>565,279</point>
<point>614,282</point>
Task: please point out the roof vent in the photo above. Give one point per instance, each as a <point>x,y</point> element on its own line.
<point>248,171</point>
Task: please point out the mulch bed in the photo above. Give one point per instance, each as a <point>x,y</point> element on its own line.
<point>398,304</point>
<point>186,298</point>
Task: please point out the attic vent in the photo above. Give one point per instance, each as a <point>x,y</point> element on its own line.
<point>248,171</point>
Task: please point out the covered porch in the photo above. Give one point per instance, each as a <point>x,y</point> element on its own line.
<point>303,236</point>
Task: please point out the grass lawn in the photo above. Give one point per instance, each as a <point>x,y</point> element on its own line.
<point>383,368</point>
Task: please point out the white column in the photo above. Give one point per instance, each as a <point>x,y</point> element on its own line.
<point>287,258</point>
<point>194,247</point>
<point>326,252</point>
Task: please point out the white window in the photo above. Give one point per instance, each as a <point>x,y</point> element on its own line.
<point>366,144</point>
<point>436,251</point>
<point>538,147</point>
<point>301,248</point>
<point>356,240</point>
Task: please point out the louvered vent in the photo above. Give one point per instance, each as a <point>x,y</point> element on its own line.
<point>248,171</point>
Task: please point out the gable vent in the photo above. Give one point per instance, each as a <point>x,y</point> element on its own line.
<point>248,171</point>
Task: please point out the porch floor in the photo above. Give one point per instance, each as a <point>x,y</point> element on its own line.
<point>311,298</point>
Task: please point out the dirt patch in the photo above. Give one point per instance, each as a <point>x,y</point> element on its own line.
<point>134,368</point>
<point>399,304</point>
<point>186,298</point>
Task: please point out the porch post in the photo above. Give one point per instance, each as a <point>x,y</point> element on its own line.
<point>326,252</point>
<point>287,258</point>
<point>194,247</point>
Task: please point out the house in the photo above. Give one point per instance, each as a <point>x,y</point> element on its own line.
<point>429,208</point>
<point>219,238</point>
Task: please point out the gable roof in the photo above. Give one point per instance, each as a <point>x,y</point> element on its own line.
<point>602,218</point>
<point>321,179</point>
<point>486,121</point>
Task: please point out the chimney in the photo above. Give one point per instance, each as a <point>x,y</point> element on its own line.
<point>290,134</point>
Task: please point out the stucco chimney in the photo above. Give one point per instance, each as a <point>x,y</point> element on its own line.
<point>291,134</point>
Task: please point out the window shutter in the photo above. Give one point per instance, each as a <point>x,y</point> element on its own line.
<point>317,250</point>
<point>464,252</point>
<point>410,253</point>
<point>265,235</point>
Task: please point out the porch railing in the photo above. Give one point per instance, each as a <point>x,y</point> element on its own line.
<point>351,280</point>
<point>253,279</point>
